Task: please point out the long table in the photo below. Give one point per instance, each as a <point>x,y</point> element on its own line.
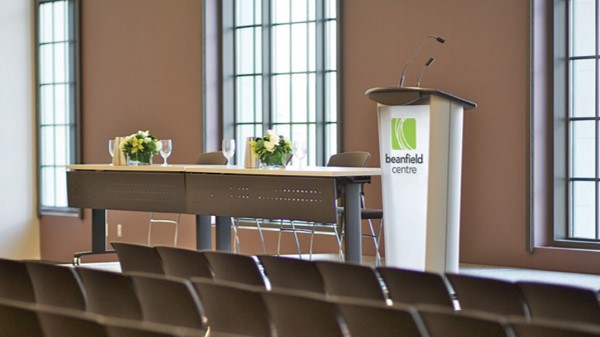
<point>307,194</point>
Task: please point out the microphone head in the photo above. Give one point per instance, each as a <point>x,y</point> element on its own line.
<point>438,38</point>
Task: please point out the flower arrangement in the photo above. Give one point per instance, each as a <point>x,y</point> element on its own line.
<point>140,147</point>
<point>271,149</point>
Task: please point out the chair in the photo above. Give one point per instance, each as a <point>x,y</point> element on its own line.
<point>205,158</point>
<point>291,273</point>
<point>56,285</point>
<point>350,280</point>
<point>170,301</point>
<point>486,294</point>
<point>19,319</point>
<point>561,302</point>
<point>60,322</point>
<point>15,283</point>
<point>138,258</point>
<point>110,294</point>
<point>414,287</point>
<point>344,159</point>
<point>233,307</point>
<point>235,268</point>
<point>445,322</point>
<point>552,328</point>
<point>301,314</point>
<point>367,319</point>
<point>184,263</point>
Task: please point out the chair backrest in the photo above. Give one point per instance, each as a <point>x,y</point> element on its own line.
<point>19,319</point>
<point>414,287</point>
<point>233,307</point>
<point>138,258</point>
<point>15,283</point>
<point>300,314</point>
<point>552,328</point>
<point>234,268</point>
<point>169,300</point>
<point>349,159</point>
<point>185,263</point>
<point>56,285</point>
<point>60,322</point>
<point>291,273</point>
<point>364,282</point>
<point>445,322</point>
<point>126,328</point>
<point>561,302</point>
<point>486,294</point>
<point>109,293</point>
<point>211,158</point>
<point>367,319</point>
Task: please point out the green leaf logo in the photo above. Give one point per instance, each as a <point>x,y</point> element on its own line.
<point>404,133</point>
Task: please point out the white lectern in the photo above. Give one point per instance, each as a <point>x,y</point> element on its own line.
<point>420,146</point>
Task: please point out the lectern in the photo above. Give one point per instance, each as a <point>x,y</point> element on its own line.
<point>420,146</point>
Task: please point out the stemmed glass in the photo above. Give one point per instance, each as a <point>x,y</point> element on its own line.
<point>228,148</point>
<point>299,151</point>
<point>111,148</point>
<point>166,147</point>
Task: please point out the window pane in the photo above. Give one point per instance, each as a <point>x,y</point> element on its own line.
<point>331,102</point>
<point>583,29</point>
<point>245,52</point>
<point>60,21</point>
<point>61,187</point>
<point>299,8</point>
<point>299,98</point>
<point>583,88</point>
<point>245,12</point>
<point>61,112</point>
<point>47,104</point>
<point>281,11</point>
<point>47,146</point>
<point>583,149</point>
<point>299,47</point>
<point>281,49</point>
<point>61,146</point>
<point>45,25</point>
<point>281,99</point>
<point>245,99</point>
<point>331,45</point>
<point>584,210</point>
<point>312,100</point>
<point>46,64</point>
<point>330,9</point>
<point>331,140</point>
<point>48,187</point>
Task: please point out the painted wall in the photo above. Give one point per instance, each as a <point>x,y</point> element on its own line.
<point>19,230</point>
<point>141,68</point>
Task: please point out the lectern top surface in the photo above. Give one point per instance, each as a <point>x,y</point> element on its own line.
<point>412,95</point>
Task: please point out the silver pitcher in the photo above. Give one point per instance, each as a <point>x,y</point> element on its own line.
<point>250,158</point>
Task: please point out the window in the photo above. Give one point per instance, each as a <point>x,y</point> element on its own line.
<point>280,71</point>
<point>57,99</point>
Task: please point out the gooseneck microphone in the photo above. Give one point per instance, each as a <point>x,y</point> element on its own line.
<point>427,64</point>
<point>416,52</point>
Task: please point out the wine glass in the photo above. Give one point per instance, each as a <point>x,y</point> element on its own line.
<point>111,148</point>
<point>299,151</point>
<point>228,148</point>
<point>166,147</point>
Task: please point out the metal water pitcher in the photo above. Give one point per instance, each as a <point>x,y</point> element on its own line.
<point>250,158</point>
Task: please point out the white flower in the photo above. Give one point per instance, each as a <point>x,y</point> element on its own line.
<point>269,146</point>
<point>147,140</point>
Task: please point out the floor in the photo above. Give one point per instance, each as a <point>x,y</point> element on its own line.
<point>503,273</point>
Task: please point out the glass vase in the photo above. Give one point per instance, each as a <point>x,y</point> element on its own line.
<point>139,159</point>
<point>272,162</point>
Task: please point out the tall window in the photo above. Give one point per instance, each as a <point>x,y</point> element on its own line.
<point>281,72</point>
<point>57,101</point>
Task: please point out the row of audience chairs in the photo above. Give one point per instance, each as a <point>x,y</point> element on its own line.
<point>385,285</point>
<point>146,305</point>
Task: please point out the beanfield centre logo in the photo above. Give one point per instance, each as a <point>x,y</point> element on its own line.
<point>404,133</point>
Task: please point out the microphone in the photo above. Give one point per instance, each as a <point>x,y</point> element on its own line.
<point>427,64</point>
<point>437,38</point>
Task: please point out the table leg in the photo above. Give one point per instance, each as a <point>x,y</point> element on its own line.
<point>203,232</point>
<point>352,234</point>
<point>98,230</point>
<point>223,233</point>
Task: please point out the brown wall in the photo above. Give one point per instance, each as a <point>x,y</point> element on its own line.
<point>142,70</point>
